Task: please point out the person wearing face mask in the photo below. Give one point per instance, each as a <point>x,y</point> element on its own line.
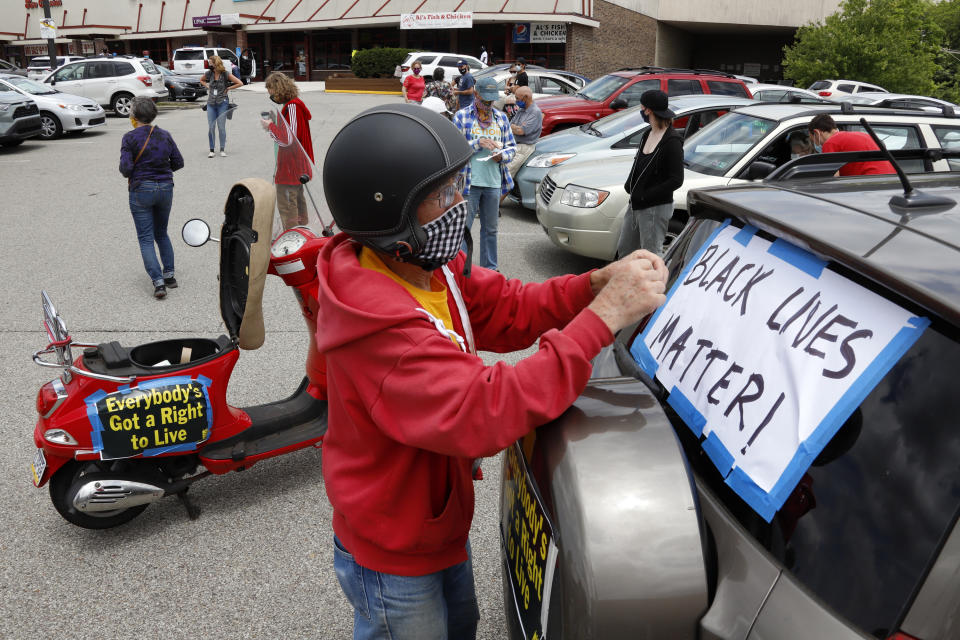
<point>294,148</point>
<point>411,404</point>
<point>827,138</point>
<point>413,84</point>
<point>526,125</point>
<point>656,173</point>
<point>800,145</point>
<point>463,88</point>
<point>148,158</point>
<point>485,177</point>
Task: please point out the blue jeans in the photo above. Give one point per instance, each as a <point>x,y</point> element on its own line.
<point>484,202</point>
<point>437,606</point>
<point>217,117</point>
<point>150,204</point>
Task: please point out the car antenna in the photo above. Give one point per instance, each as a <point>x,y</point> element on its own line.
<point>911,198</point>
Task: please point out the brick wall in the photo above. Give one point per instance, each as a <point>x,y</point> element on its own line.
<point>624,38</point>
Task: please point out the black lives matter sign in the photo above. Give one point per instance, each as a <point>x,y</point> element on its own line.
<point>528,539</point>
<point>154,418</point>
<point>765,353</point>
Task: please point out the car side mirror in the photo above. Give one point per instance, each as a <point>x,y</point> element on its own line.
<point>758,170</point>
<point>619,103</point>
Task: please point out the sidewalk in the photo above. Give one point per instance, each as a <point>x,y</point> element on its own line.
<point>260,87</point>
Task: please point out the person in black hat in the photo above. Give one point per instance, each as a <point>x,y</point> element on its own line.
<point>463,88</point>
<point>522,80</point>
<point>411,404</point>
<point>656,173</point>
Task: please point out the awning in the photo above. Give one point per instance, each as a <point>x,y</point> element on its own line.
<point>92,30</point>
<point>388,21</point>
<point>40,41</point>
<point>144,35</point>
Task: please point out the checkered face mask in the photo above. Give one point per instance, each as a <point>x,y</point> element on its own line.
<point>445,235</point>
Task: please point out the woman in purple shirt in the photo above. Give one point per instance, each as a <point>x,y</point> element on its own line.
<point>148,158</point>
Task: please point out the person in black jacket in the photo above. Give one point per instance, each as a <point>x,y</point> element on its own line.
<point>246,66</point>
<point>656,173</point>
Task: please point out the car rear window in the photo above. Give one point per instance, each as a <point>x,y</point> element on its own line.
<point>819,84</point>
<point>149,67</point>
<point>722,88</point>
<point>188,54</point>
<point>866,519</point>
<point>683,87</point>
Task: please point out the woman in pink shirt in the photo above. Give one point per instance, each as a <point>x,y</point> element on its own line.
<point>413,84</point>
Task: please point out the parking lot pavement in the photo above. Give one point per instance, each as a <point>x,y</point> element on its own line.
<point>258,561</point>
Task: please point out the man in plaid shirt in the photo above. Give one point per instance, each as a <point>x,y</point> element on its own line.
<point>485,177</point>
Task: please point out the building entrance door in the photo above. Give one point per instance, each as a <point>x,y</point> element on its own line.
<point>300,61</point>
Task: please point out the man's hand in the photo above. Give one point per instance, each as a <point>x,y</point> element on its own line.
<point>489,144</point>
<point>628,289</point>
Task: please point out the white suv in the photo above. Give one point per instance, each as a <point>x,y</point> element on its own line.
<point>112,82</point>
<point>193,60</point>
<point>834,89</point>
<point>430,60</point>
<point>39,67</point>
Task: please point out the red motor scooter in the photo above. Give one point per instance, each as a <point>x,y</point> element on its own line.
<point>122,427</point>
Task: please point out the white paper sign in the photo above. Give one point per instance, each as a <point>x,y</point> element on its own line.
<point>48,28</point>
<point>548,32</point>
<point>766,353</point>
<point>449,20</point>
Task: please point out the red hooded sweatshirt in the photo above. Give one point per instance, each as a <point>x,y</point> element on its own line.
<point>293,141</point>
<point>410,410</point>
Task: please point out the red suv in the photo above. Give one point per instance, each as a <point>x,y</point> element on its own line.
<point>624,87</point>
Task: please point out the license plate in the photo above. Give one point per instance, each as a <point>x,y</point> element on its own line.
<point>38,466</point>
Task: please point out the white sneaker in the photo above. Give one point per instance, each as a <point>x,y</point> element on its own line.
<point>210,155</point>
<point>223,154</point>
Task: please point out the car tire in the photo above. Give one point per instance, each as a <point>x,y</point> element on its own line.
<point>122,104</point>
<point>12,143</point>
<point>193,99</point>
<point>50,127</point>
<point>675,226</point>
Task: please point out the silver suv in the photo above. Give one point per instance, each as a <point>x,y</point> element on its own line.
<point>19,117</point>
<point>112,82</point>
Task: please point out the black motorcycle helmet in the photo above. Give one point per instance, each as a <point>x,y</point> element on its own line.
<point>379,168</point>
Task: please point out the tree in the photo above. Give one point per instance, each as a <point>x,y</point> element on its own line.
<point>892,43</point>
<point>947,15</point>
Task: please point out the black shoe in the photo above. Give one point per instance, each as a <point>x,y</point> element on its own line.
<point>160,292</point>
<point>170,282</point>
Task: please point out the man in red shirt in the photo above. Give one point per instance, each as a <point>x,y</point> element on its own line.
<point>824,134</point>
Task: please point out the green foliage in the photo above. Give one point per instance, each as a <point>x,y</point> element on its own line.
<point>377,63</point>
<point>947,15</point>
<point>892,43</point>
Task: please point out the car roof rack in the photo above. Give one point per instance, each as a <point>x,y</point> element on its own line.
<point>651,69</point>
<point>824,165</point>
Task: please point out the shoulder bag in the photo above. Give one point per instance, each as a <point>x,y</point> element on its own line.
<point>137,159</point>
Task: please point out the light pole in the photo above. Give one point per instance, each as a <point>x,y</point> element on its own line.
<point>51,45</point>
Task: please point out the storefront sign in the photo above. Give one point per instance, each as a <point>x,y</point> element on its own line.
<point>35,49</point>
<point>539,32</point>
<point>451,20</point>
<point>766,353</point>
<point>36,5</point>
<point>216,20</point>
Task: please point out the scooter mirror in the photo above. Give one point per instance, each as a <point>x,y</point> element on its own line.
<point>196,232</point>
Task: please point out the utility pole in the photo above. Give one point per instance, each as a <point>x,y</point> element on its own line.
<point>51,45</point>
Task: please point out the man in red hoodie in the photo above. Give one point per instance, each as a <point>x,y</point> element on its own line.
<point>411,404</point>
<point>825,135</point>
<point>294,149</point>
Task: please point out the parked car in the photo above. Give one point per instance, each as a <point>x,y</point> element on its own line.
<point>39,66</point>
<point>430,60</point>
<point>781,93</point>
<point>8,67</point>
<point>747,144</point>
<point>59,111</point>
<point>194,60</point>
<point>636,514</point>
<point>19,117</point>
<point>111,82</point>
<point>614,136</point>
<point>182,86</point>
<point>899,101</point>
<point>623,88</point>
<point>543,83</point>
<point>833,89</point>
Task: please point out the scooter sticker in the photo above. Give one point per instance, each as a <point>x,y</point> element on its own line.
<point>156,417</point>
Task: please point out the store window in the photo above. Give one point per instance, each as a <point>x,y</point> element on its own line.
<point>331,50</point>
<point>549,55</point>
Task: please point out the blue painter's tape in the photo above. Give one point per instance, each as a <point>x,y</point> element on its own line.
<point>643,357</point>
<point>745,235</point>
<point>676,285</point>
<point>685,409</point>
<point>800,258</point>
<point>718,453</point>
<point>753,495</point>
<point>96,425</point>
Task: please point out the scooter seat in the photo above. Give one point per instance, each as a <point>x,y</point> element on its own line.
<point>112,358</point>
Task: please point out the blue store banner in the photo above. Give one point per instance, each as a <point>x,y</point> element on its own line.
<point>521,33</point>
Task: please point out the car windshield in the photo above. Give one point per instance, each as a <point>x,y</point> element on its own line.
<point>29,86</point>
<point>165,71</point>
<point>618,122</point>
<point>721,144</point>
<point>601,88</point>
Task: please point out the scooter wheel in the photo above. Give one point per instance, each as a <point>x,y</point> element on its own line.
<point>62,498</point>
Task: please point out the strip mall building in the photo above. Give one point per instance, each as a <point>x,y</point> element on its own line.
<point>591,37</point>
